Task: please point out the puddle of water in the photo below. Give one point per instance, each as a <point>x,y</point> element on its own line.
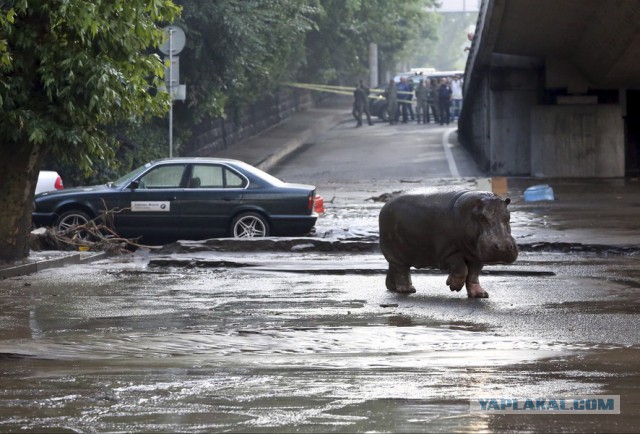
<point>254,351</point>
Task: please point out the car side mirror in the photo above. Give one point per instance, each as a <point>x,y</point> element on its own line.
<point>134,185</point>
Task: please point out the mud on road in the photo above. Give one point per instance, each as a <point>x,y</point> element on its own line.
<point>300,335</point>
<point>308,341</point>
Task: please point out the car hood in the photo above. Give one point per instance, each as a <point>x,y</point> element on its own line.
<point>75,190</point>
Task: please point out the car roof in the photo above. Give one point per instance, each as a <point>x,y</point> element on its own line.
<point>197,160</point>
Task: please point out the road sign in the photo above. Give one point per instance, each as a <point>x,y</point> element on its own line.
<point>174,40</point>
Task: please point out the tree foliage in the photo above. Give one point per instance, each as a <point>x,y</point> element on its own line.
<point>77,77</point>
<point>447,53</point>
<point>68,70</point>
<point>75,67</point>
<point>338,49</point>
<point>237,50</point>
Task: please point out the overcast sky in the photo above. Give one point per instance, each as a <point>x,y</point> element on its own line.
<point>459,5</point>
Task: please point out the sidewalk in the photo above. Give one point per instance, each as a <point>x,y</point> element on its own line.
<point>267,149</point>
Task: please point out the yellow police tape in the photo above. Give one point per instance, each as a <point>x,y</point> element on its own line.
<point>342,90</point>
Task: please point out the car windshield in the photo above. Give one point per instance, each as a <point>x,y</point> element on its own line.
<point>128,177</point>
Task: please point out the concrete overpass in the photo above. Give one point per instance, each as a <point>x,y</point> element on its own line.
<point>552,88</point>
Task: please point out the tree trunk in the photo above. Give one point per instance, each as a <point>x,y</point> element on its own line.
<point>19,170</point>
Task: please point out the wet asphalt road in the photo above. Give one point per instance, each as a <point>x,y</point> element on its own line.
<point>304,340</point>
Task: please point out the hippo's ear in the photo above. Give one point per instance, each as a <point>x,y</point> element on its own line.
<point>507,201</point>
<point>478,207</point>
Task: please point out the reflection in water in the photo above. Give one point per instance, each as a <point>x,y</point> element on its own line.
<point>250,351</point>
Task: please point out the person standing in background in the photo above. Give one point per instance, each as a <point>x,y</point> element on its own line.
<point>404,99</point>
<point>358,104</point>
<point>361,103</point>
<point>432,100</point>
<point>422,106</point>
<point>391,95</point>
<point>456,97</point>
<point>444,100</point>
<point>410,104</point>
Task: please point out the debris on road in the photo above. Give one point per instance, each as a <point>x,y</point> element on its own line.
<point>385,197</point>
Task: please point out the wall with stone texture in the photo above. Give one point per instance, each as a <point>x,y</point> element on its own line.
<point>217,134</point>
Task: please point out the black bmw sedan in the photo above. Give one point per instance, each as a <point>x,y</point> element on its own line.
<point>186,198</point>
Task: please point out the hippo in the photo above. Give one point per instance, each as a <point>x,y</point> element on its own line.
<point>453,229</point>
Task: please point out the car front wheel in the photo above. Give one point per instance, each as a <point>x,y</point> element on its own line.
<point>70,219</point>
<point>249,225</point>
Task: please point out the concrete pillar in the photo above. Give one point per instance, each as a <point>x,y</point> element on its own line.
<point>373,65</point>
<point>577,141</point>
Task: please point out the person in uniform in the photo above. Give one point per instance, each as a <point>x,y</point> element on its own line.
<point>432,99</point>
<point>422,106</point>
<point>391,95</point>
<point>444,101</point>
<point>361,103</point>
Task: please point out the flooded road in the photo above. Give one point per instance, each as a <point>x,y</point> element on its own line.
<point>302,336</point>
<point>300,341</point>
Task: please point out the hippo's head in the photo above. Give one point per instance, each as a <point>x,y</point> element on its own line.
<point>495,245</point>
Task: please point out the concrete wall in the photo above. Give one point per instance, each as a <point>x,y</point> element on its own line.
<point>513,94</point>
<point>215,134</point>
<point>496,128</point>
<point>577,141</point>
<point>473,125</point>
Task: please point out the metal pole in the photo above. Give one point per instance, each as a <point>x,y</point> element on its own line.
<point>170,88</point>
<point>373,65</point>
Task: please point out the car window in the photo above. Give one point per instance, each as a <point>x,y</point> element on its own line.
<point>214,176</point>
<point>129,176</point>
<point>207,176</point>
<point>234,180</point>
<point>163,177</point>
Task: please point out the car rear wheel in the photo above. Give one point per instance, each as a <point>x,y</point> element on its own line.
<point>249,225</point>
<point>71,219</point>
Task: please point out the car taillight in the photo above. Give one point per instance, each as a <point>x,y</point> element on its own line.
<point>58,184</point>
<point>311,200</point>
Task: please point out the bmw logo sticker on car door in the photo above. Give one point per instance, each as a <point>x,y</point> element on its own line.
<point>157,206</point>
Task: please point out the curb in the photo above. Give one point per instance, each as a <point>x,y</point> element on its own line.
<point>43,260</point>
<point>291,146</point>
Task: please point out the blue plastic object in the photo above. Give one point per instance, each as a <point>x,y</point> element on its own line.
<point>538,192</point>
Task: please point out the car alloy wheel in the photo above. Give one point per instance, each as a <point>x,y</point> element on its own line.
<point>249,225</point>
<point>73,219</point>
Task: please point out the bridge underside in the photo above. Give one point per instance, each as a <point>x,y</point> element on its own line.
<point>552,88</point>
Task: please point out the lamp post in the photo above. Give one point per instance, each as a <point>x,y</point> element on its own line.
<point>173,45</point>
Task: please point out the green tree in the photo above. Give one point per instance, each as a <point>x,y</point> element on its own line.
<point>238,50</point>
<point>69,69</point>
<point>338,49</point>
<point>447,53</point>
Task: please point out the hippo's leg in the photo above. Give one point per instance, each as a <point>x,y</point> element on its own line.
<point>399,279</point>
<point>391,279</point>
<point>474,290</point>
<point>457,272</point>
